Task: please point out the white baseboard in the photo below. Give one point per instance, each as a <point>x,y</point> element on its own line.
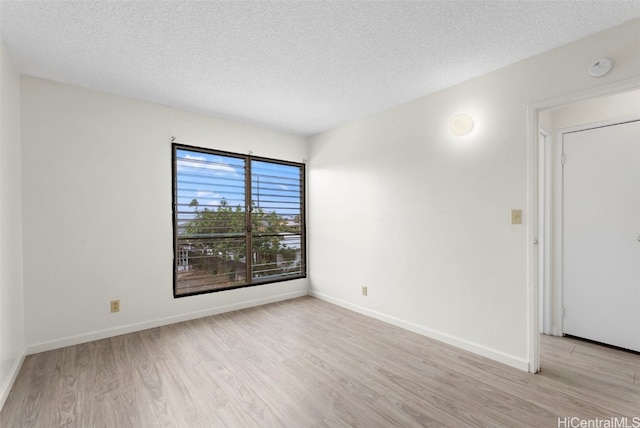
<point>5,388</point>
<point>130,328</point>
<point>510,360</point>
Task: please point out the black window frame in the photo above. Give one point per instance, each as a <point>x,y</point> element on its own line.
<point>248,158</point>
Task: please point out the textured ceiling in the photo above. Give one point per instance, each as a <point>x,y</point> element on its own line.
<point>301,67</point>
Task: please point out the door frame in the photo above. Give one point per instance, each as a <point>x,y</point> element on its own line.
<point>533,194</point>
<point>544,183</point>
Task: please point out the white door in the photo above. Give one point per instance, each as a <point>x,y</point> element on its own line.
<point>601,234</point>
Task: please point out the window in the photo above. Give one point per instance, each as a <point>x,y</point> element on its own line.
<point>238,220</point>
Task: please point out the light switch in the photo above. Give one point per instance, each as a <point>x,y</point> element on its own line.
<point>516,216</point>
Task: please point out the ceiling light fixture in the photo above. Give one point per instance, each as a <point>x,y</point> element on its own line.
<point>460,124</point>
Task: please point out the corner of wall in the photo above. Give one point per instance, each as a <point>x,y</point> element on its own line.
<point>12,340</point>
<point>7,383</point>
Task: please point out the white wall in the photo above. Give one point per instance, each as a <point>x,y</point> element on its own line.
<point>423,219</point>
<point>12,342</point>
<point>97,212</point>
<point>594,110</point>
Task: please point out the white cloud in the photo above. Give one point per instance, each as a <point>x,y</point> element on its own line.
<point>200,162</point>
<point>207,198</point>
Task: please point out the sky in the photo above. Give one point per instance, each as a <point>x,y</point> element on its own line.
<point>210,178</point>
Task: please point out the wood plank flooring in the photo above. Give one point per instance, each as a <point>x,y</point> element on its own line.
<point>307,363</point>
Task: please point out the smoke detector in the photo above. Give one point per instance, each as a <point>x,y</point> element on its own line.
<point>600,67</point>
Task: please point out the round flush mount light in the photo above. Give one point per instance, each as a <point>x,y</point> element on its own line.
<point>600,67</point>
<point>460,124</point>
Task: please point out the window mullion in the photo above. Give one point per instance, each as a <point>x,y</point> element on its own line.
<point>248,220</point>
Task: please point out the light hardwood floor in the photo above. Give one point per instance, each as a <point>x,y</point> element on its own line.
<point>307,363</point>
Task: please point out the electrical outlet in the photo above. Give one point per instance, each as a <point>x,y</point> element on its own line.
<point>364,291</point>
<point>115,306</point>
